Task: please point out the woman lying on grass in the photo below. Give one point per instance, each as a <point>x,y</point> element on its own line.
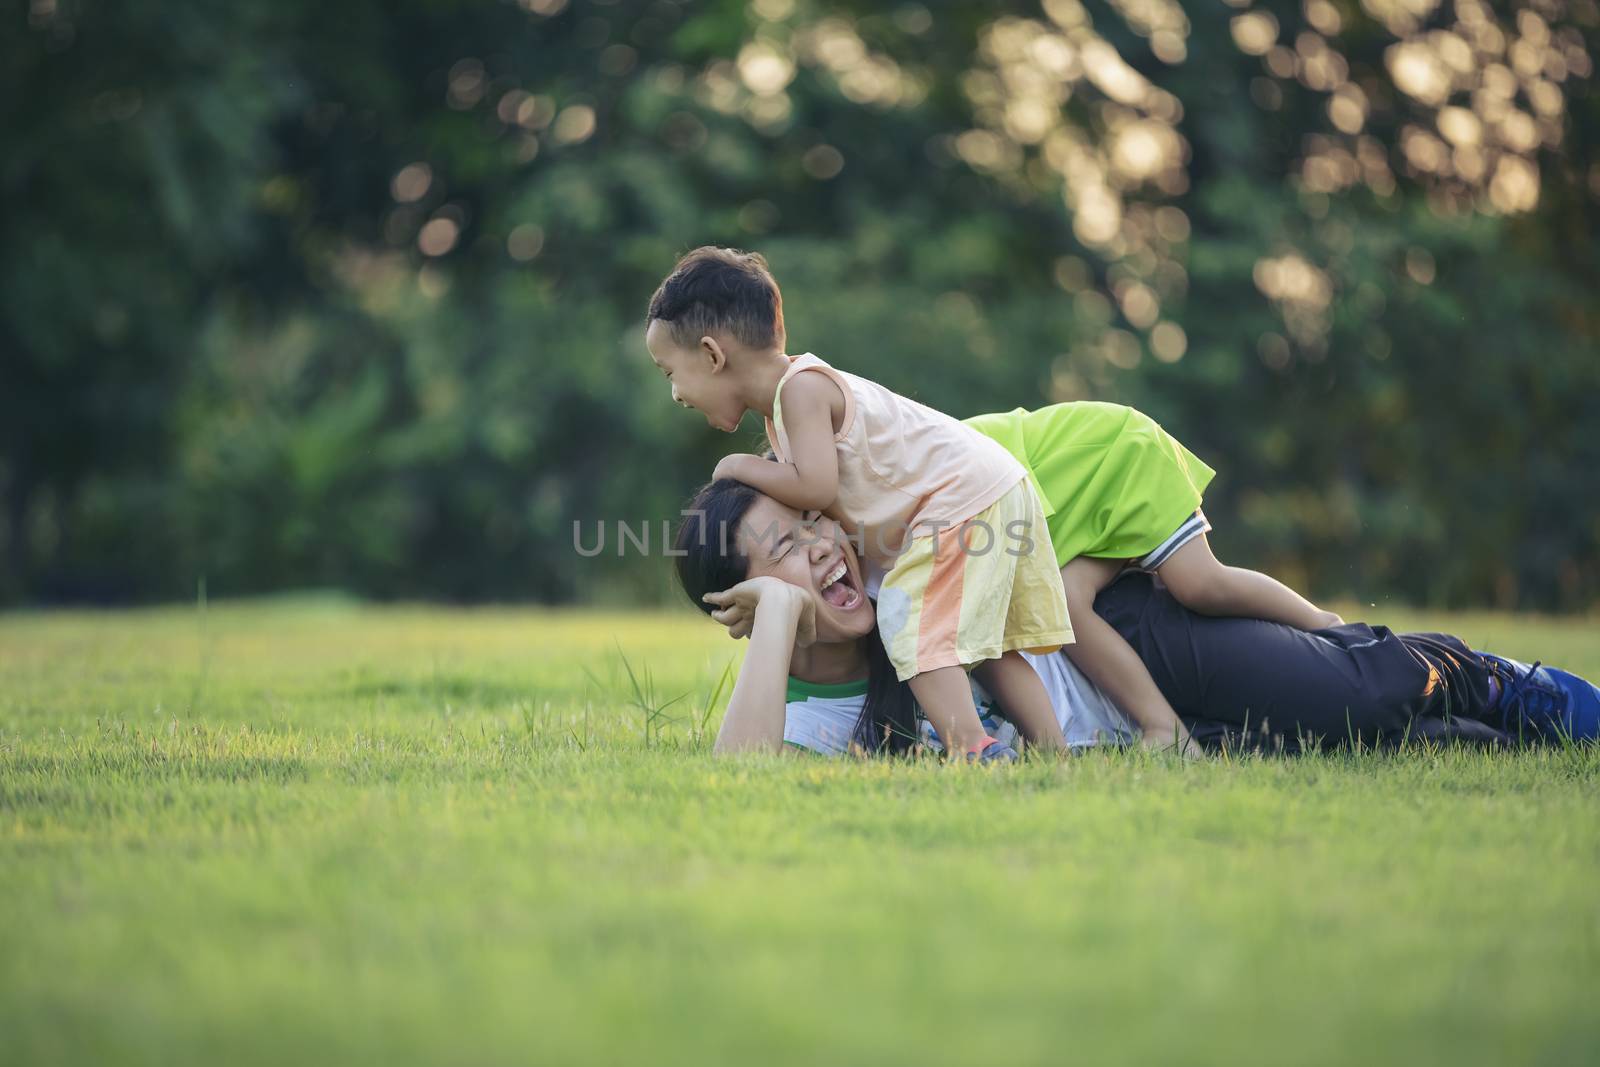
<point>816,676</point>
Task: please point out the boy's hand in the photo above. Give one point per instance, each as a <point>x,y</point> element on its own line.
<point>731,466</point>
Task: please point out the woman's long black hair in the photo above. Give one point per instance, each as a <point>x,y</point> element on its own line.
<point>888,721</point>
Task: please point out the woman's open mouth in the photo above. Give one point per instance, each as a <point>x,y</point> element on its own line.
<point>838,589</point>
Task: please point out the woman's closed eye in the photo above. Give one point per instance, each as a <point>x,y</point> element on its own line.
<point>807,532</point>
<point>805,529</point>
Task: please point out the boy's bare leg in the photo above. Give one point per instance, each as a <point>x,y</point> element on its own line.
<point>946,699</point>
<point>1200,583</point>
<point>1016,686</point>
<point>1110,662</point>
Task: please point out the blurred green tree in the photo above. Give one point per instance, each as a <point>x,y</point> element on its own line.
<point>355,299</point>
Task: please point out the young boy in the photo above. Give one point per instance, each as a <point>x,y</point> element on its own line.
<point>916,489</point>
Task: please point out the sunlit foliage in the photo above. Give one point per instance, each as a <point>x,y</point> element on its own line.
<point>291,308</point>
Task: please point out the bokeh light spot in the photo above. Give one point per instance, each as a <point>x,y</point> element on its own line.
<point>411,183</point>
<point>438,236</point>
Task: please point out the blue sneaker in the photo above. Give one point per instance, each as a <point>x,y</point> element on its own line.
<point>1552,703</point>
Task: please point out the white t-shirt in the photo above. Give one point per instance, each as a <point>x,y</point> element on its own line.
<point>823,717</point>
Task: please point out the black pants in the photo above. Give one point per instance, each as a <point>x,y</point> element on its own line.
<point>1250,683</point>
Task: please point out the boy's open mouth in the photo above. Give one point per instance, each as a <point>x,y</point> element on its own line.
<point>838,589</point>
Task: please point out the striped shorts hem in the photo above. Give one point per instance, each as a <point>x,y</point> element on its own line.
<point>1192,527</point>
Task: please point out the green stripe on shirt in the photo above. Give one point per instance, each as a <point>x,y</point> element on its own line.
<point>800,690</point>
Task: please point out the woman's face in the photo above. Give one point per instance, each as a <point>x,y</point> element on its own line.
<point>811,552</point>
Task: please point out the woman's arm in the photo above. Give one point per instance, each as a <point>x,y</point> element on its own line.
<point>811,480</point>
<point>755,716</point>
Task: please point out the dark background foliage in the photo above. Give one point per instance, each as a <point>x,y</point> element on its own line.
<point>296,295</point>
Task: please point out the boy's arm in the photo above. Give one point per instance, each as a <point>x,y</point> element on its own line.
<point>811,480</point>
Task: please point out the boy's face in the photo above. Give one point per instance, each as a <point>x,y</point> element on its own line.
<point>700,377</point>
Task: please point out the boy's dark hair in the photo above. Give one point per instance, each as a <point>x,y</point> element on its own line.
<point>720,289</point>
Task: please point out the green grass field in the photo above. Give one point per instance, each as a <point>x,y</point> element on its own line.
<point>308,831</point>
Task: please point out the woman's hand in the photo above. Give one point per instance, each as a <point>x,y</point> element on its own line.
<point>736,606</point>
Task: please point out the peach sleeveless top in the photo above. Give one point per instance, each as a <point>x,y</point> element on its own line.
<point>901,464</point>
